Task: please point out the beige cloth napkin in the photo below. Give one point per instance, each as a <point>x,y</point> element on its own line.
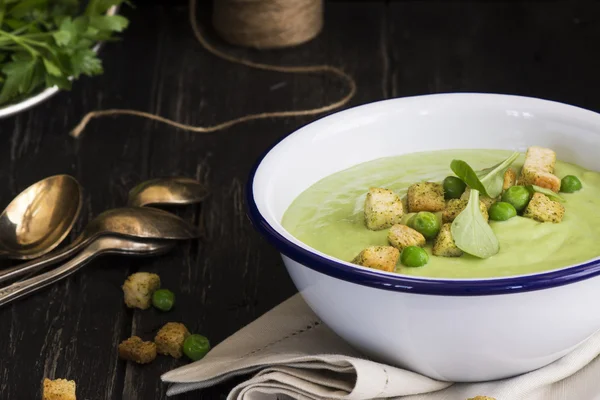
<point>290,353</point>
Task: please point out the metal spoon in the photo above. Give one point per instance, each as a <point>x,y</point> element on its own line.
<point>40,217</point>
<point>102,245</point>
<point>174,190</point>
<point>145,223</point>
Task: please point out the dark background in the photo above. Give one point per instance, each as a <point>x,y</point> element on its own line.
<point>71,330</point>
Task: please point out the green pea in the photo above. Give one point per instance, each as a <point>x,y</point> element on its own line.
<point>518,196</point>
<point>163,299</point>
<point>414,256</point>
<point>570,184</point>
<point>195,347</point>
<point>453,187</point>
<point>502,211</point>
<point>426,223</point>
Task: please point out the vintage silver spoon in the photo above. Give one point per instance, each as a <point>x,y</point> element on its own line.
<point>99,246</point>
<point>174,190</point>
<point>136,222</point>
<point>40,217</point>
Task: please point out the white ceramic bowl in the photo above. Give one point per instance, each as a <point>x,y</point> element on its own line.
<point>456,330</point>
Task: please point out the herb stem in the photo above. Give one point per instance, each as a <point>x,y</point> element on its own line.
<point>17,40</point>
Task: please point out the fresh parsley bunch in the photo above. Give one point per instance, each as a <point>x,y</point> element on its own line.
<point>44,43</point>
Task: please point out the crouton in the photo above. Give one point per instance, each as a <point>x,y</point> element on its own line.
<point>401,236</point>
<point>426,196</point>
<point>543,209</point>
<point>383,208</point>
<point>443,245</point>
<point>538,169</point>
<point>481,398</point>
<point>510,178</point>
<point>138,289</point>
<point>487,200</point>
<point>456,206</point>
<point>404,200</point>
<point>58,389</point>
<point>169,339</point>
<point>135,349</point>
<point>378,257</point>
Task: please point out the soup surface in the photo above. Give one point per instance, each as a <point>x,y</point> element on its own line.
<point>329,217</point>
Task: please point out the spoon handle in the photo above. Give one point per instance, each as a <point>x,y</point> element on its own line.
<point>44,261</point>
<point>31,285</point>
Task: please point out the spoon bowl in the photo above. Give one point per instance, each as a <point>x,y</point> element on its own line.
<point>40,217</point>
<point>173,190</point>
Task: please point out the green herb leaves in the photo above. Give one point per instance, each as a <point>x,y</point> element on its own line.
<point>47,43</point>
<point>488,181</point>
<point>471,232</point>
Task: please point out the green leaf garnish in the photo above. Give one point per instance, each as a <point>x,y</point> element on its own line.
<point>471,232</point>
<point>49,42</point>
<point>467,175</point>
<point>553,196</point>
<point>488,181</point>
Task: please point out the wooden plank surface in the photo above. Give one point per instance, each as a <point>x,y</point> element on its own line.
<point>222,282</point>
<point>541,49</point>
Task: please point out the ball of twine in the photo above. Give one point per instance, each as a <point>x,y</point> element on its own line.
<point>268,24</point>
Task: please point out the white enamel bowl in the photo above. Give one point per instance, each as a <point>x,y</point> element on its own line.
<point>456,330</point>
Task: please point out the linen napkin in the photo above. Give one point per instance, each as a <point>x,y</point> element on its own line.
<point>289,353</point>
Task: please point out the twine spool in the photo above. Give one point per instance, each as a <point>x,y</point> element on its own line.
<point>268,24</point>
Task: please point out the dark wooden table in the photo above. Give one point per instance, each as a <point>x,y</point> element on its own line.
<point>541,49</point>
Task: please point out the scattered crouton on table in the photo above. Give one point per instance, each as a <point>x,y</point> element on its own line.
<point>481,398</point>
<point>136,350</point>
<point>426,196</point>
<point>138,289</point>
<point>58,389</point>
<point>443,245</point>
<point>401,236</point>
<point>169,339</point>
<point>383,208</point>
<point>541,208</point>
<point>456,206</point>
<point>378,257</point>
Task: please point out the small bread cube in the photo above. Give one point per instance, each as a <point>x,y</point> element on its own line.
<point>444,245</point>
<point>481,398</point>
<point>543,209</point>
<point>401,236</point>
<point>487,200</point>
<point>378,257</point>
<point>426,196</point>
<point>404,200</point>
<point>169,339</point>
<point>510,178</point>
<point>538,169</point>
<point>456,206</point>
<point>58,389</point>
<point>383,208</point>
<point>138,289</point>
<point>135,349</point>
<point>540,158</point>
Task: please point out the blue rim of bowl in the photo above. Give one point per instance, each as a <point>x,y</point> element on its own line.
<point>403,283</point>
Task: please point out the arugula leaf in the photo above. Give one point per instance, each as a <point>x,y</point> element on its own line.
<point>467,175</point>
<point>493,178</point>
<point>488,181</point>
<point>553,196</point>
<point>471,232</point>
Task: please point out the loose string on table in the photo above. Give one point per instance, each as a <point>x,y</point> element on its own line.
<point>313,69</point>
